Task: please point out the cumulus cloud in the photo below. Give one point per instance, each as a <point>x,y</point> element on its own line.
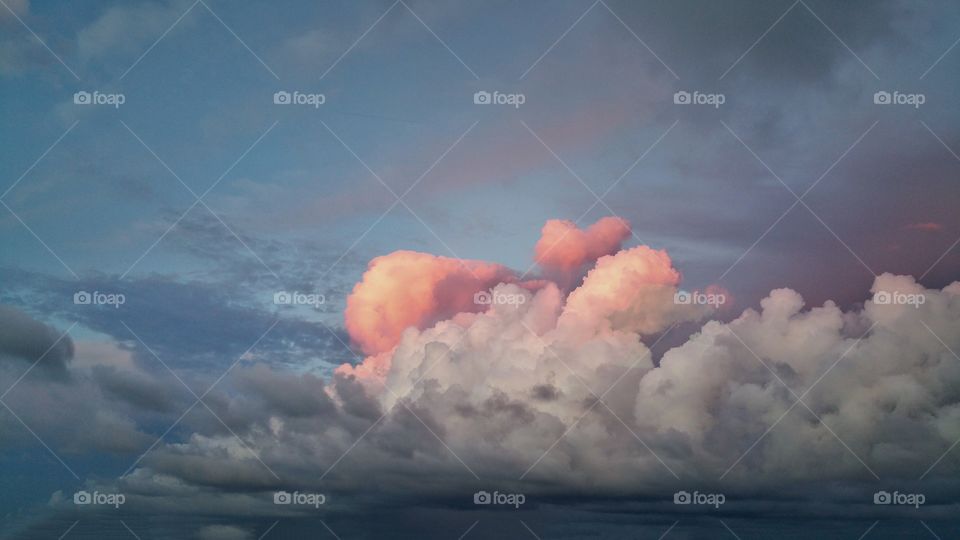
<point>410,289</point>
<point>558,393</point>
<point>564,250</point>
<point>632,291</point>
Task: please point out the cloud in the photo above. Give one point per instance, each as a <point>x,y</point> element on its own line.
<point>27,339</point>
<point>410,289</point>
<point>136,388</point>
<point>94,403</point>
<point>564,250</point>
<point>632,291</point>
<point>287,395</point>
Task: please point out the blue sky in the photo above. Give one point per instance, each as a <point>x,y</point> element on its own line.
<point>399,99</point>
<point>799,179</point>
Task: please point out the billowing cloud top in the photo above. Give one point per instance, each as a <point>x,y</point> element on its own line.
<point>564,250</point>
<point>631,289</point>
<point>406,288</point>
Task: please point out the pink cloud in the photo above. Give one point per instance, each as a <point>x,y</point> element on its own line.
<point>628,290</point>
<point>564,251</point>
<point>409,289</point>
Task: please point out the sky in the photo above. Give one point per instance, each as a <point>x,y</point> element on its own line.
<point>595,253</point>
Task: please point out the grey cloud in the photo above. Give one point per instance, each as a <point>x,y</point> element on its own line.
<point>71,417</point>
<point>138,389</point>
<point>24,338</point>
<point>287,394</point>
